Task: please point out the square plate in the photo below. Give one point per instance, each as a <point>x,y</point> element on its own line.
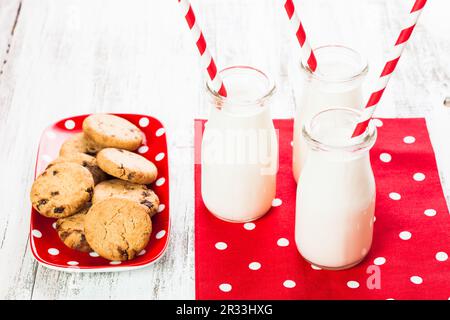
<point>45,244</point>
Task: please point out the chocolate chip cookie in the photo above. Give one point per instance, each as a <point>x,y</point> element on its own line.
<point>117,228</point>
<point>79,143</point>
<point>62,190</point>
<point>71,231</point>
<point>117,188</point>
<point>84,160</point>
<point>127,165</point>
<point>112,131</point>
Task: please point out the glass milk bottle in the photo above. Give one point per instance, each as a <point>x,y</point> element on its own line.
<point>239,153</point>
<point>336,82</point>
<point>336,191</point>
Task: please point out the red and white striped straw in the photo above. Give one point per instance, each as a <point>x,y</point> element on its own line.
<point>389,68</point>
<point>207,60</point>
<point>307,54</point>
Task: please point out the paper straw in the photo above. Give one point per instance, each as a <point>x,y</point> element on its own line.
<point>307,54</point>
<point>389,68</point>
<point>207,60</point>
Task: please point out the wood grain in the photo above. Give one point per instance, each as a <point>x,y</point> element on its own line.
<point>9,14</point>
<point>70,57</point>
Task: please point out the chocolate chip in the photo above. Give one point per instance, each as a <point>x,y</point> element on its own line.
<point>59,209</point>
<point>147,204</point>
<point>41,203</point>
<point>120,150</point>
<point>131,175</point>
<point>145,193</point>
<point>63,235</point>
<point>82,245</point>
<point>55,172</point>
<point>54,193</point>
<point>123,253</point>
<point>90,190</point>
<point>84,164</point>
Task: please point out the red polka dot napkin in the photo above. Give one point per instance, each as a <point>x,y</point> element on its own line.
<point>409,255</point>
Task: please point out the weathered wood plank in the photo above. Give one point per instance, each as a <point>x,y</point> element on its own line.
<point>9,14</point>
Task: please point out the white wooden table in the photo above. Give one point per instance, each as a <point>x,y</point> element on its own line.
<point>67,57</point>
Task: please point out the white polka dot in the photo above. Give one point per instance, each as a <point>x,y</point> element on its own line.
<point>36,233</point>
<point>72,263</point>
<point>225,287</point>
<point>51,135</point>
<point>385,157</point>
<point>142,149</point>
<point>409,139</point>
<point>441,256</point>
<point>144,122</point>
<point>395,196</point>
<point>160,156</point>
<point>276,202</point>
<point>430,212</point>
<point>46,158</point>
<point>289,284</point>
<point>114,263</point>
<point>283,242</point>
<point>160,132</point>
<point>221,246</point>
<point>315,267</point>
<point>160,234</point>
<point>142,252</point>
<point>416,279</point>
<point>254,266</point>
<point>378,123</point>
<point>353,284</point>
<point>54,225</point>
<point>379,261</point>
<point>419,176</point>
<point>53,251</point>
<point>94,254</point>
<point>69,124</point>
<point>160,182</point>
<point>249,226</point>
<point>405,235</point>
<point>161,208</point>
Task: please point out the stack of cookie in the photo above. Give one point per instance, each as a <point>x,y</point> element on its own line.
<point>97,189</point>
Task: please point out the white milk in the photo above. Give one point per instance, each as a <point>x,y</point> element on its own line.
<point>335,195</point>
<point>336,83</point>
<point>239,149</point>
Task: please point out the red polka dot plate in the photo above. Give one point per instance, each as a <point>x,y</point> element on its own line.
<point>45,244</point>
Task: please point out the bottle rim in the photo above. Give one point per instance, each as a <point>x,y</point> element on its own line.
<point>361,71</point>
<point>361,143</point>
<point>222,101</point>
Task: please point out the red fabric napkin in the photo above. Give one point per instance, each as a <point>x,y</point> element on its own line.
<point>411,235</point>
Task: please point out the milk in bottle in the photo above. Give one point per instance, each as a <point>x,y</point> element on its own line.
<point>336,191</point>
<point>239,147</point>
<point>336,82</point>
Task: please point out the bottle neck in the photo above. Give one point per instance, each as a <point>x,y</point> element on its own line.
<point>329,133</point>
